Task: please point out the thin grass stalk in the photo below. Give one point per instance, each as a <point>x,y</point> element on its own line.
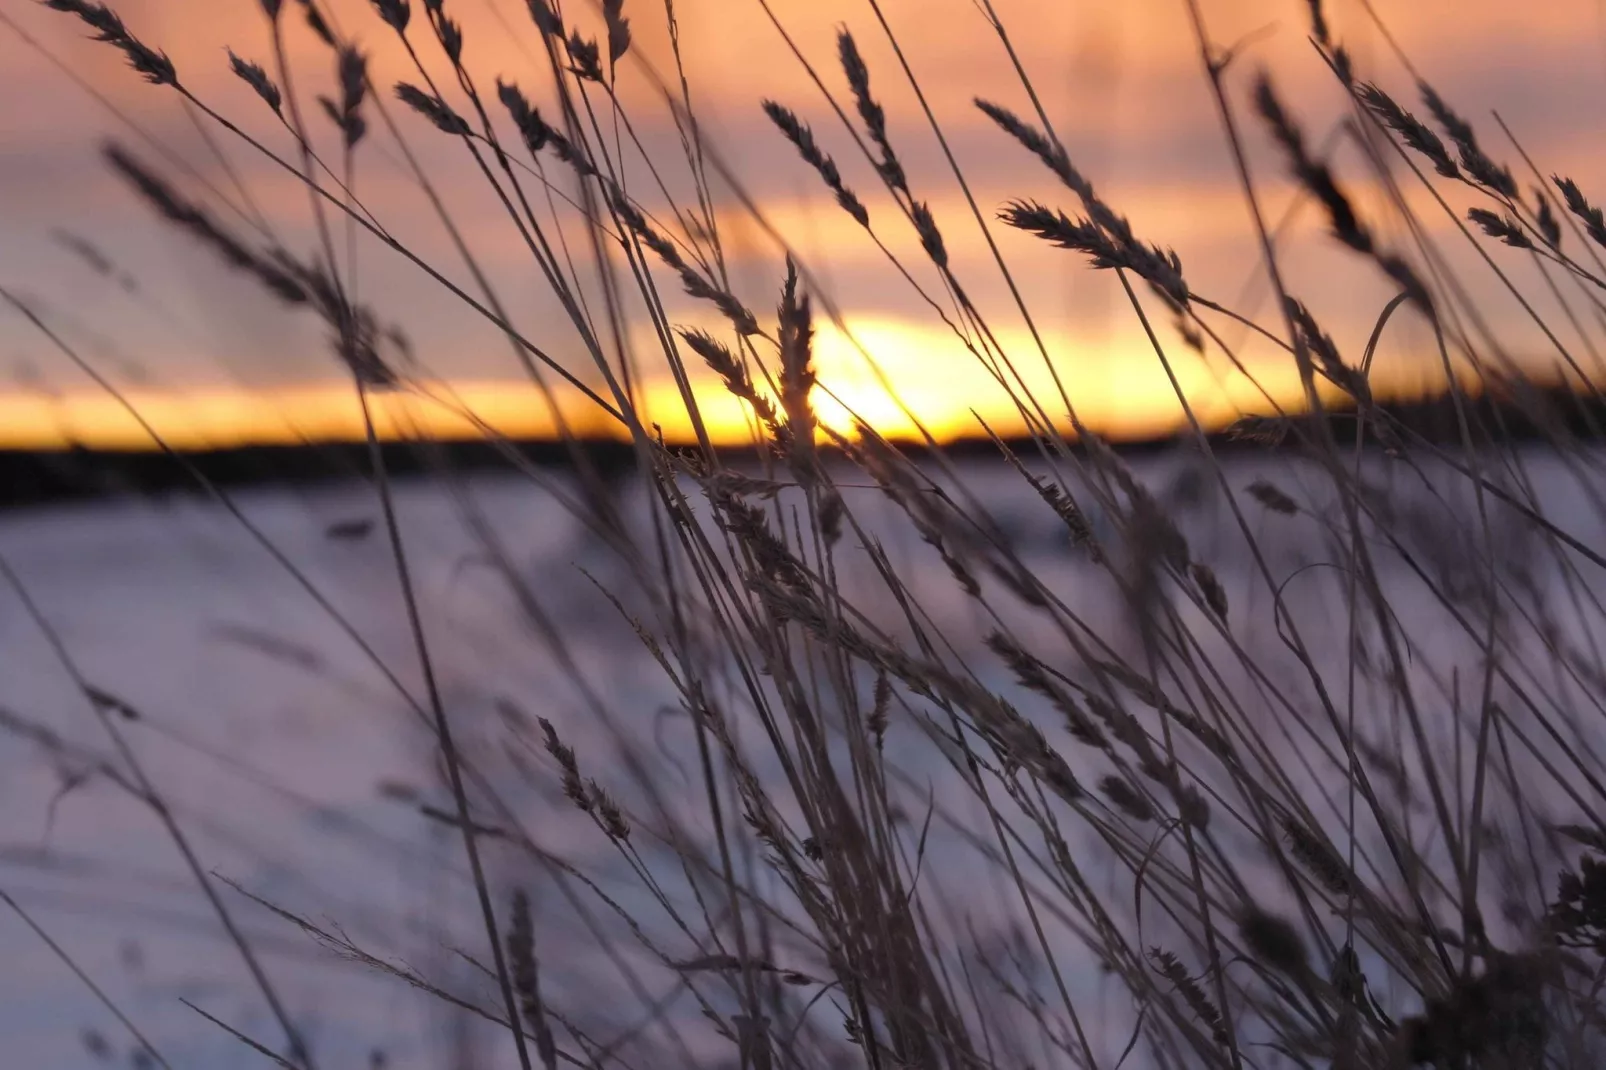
<point>148,794</point>
<point>442,723</point>
<point>88,982</point>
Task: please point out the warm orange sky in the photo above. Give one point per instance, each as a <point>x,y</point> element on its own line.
<point>209,360</point>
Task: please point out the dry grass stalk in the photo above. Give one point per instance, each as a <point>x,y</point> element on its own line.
<point>254,76</point>
<point>585,58</point>
<point>1503,227</point>
<point>774,559</point>
<point>753,620</point>
<point>695,283</point>
<point>618,29</point>
<point>395,13</point>
<point>1318,23</point>
<point>1592,218</point>
<point>319,25</point>
<point>930,235</point>
<point>1161,269</point>
<point>526,974</point>
<point>1053,155</point>
<point>1545,220</point>
<point>1314,175</point>
<point>538,135</point>
<point>1171,967</point>
<point>1124,797</point>
<point>876,722</point>
<point>346,113</point>
<point>1328,362</point>
<point>1416,134</point>
<point>1269,431</point>
<point>199,224</point>
<point>1210,589</point>
<point>1064,506</point>
<point>573,786</point>
<point>796,343</point>
<point>545,18</point>
<point>1318,858</point>
<point>1105,237</point>
<point>611,817</point>
<point>1474,160</point>
<point>433,108</point>
<point>152,64</point>
<point>802,138</point>
<point>356,331</point>
<point>1274,941</point>
<point>875,119</point>
<point>1033,675</point>
<point>1269,495</point>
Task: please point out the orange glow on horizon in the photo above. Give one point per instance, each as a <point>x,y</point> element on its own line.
<point>225,418</point>
<point>921,377</point>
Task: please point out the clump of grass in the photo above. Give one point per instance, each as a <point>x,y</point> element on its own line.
<point>855,760</point>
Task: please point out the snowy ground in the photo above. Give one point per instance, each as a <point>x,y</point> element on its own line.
<point>285,753</point>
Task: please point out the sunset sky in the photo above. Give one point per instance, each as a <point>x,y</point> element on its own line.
<point>209,360</point>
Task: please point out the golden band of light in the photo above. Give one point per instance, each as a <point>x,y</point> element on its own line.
<point>223,418</point>
<point>1123,395</point>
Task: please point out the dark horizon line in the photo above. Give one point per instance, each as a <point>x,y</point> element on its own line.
<point>35,477</point>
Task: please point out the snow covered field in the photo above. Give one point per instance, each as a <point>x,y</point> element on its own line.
<point>299,770</point>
